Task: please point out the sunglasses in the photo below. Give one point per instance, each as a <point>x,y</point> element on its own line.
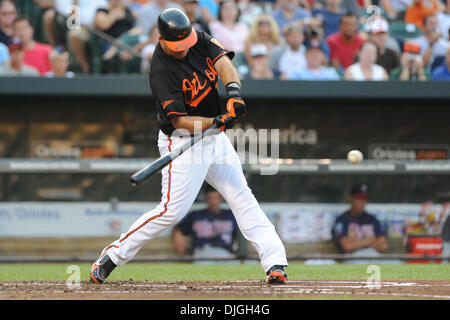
<point>263,22</point>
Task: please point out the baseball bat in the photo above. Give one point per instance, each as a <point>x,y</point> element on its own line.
<point>157,165</point>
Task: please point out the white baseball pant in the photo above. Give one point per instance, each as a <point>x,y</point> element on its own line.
<point>213,159</point>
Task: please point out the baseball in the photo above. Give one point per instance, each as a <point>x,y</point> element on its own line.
<point>355,156</point>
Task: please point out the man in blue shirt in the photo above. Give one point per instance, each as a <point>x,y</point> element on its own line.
<point>442,72</point>
<point>212,230</point>
<point>289,11</point>
<point>355,231</point>
<point>330,16</point>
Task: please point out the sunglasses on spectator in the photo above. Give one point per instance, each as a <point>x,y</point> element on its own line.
<point>262,22</point>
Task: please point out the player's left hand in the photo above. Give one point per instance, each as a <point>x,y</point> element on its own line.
<point>236,107</point>
<point>235,103</point>
<point>224,121</point>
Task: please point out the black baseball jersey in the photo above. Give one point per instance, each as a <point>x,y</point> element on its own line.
<point>188,86</point>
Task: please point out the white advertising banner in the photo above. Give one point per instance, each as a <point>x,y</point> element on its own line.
<point>296,222</point>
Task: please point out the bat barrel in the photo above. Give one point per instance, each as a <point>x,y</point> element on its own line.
<point>150,170</point>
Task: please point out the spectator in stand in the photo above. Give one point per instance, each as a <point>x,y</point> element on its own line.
<point>59,59</point>
<point>79,37</point>
<point>290,57</point>
<point>212,230</point>
<point>115,20</point>
<point>191,8</point>
<point>16,65</point>
<point>366,69</point>
<point>55,22</point>
<point>137,5</point>
<point>148,49</point>
<point>444,21</point>
<point>250,10</point>
<point>380,27</point>
<point>8,14</point>
<point>209,9</point>
<point>411,68</point>
<point>431,43</point>
<point>345,43</point>
<point>357,232</point>
<point>316,68</point>
<point>442,72</point>
<point>395,9</point>
<point>314,34</point>
<point>4,54</point>
<point>258,62</point>
<point>227,29</point>
<point>148,16</point>
<point>419,9</point>
<point>263,30</point>
<point>329,16</point>
<point>350,6</point>
<point>379,33</point>
<point>37,54</point>
<point>289,11</point>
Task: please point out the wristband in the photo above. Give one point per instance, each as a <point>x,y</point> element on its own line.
<point>233,89</point>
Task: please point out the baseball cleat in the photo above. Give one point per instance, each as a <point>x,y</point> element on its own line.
<point>101,269</point>
<point>276,275</point>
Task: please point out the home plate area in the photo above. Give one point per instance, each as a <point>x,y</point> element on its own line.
<point>229,289</point>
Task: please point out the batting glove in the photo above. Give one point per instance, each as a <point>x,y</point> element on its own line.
<point>224,121</point>
<point>235,103</point>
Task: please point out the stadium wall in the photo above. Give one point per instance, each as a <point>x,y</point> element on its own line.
<point>114,116</point>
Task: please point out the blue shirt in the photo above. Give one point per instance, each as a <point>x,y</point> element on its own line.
<point>4,54</point>
<point>205,227</point>
<point>441,73</point>
<point>212,5</point>
<point>361,226</point>
<point>282,21</point>
<point>326,73</point>
<point>330,21</point>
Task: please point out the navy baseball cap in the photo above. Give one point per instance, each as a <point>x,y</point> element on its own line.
<point>360,191</point>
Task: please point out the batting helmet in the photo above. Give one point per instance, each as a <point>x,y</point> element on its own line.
<point>176,29</point>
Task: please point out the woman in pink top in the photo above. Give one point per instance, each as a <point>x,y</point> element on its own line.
<point>227,29</point>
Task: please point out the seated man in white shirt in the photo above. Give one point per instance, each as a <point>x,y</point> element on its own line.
<point>290,57</point>
<point>315,68</point>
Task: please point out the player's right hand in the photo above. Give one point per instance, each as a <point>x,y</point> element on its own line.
<point>224,121</point>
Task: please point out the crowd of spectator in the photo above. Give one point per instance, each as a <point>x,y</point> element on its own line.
<point>354,40</point>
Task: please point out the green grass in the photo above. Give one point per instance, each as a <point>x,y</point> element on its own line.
<point>191,272</point>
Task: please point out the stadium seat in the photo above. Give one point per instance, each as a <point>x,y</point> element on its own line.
<point>402,31</point>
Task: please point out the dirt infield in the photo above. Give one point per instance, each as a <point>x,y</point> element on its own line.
<point>323,289</point>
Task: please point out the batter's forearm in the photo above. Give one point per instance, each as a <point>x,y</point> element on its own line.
<point>226,70</point>
<point>192,123</point>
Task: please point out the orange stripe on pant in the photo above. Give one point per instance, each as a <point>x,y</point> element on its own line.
<point>165,205</point>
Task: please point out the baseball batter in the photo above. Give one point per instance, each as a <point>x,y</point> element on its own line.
<point>184,74</point>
